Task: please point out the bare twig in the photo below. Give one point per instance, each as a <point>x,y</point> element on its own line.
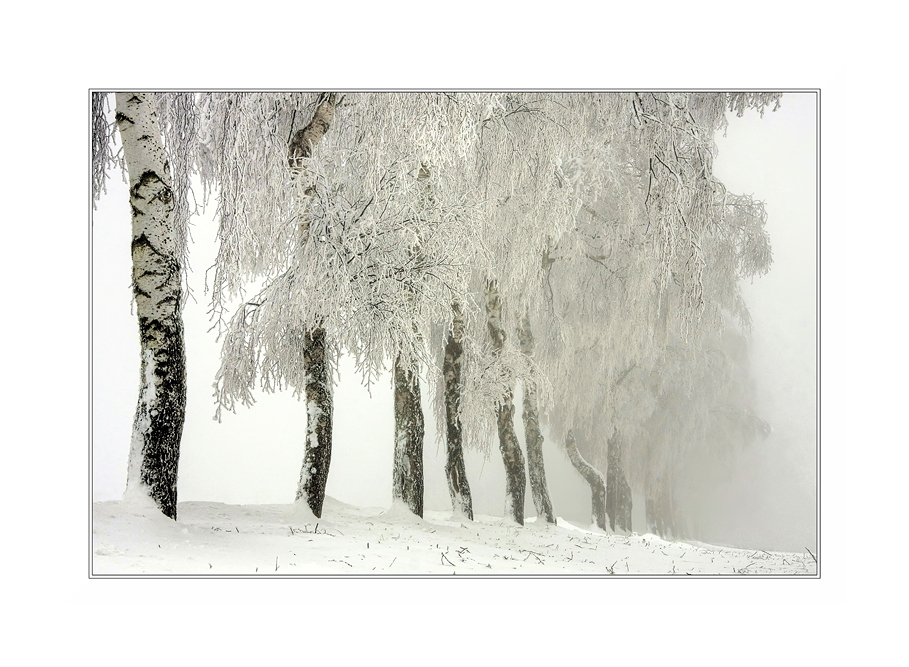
<point>534,554</point>
<point>811,554</point>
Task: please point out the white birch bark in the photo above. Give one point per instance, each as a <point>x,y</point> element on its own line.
<point>158,427</point>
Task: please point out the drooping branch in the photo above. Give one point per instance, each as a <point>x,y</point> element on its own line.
<point>102,138</point>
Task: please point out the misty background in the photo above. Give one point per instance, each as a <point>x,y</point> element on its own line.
<point>766,498</point>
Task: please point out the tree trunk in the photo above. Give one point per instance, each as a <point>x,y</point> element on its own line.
<point>659,510</point>
<point>593,477</point>
<point>408,462</point>
<point>306,139</point>
<point>618,492</point>
<point>652,512</point>
<point>515,479</point>
<point>407,474</point>
<point>319,406</point>
<point>158,426</point>
<point>674,520</point>
<point>533,436</point>
<point>455,473</point>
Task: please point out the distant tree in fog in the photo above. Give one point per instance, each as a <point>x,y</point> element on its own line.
<point>704,413</point>
<point>655,254</point>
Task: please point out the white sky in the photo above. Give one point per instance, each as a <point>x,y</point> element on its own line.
<point>255,455</point>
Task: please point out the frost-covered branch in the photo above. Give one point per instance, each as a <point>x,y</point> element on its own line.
<point>103,132</point>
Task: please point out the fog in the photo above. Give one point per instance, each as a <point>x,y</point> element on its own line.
<point>766,500</point>
<point>771,497</point>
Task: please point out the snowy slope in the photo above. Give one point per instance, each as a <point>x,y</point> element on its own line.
<point>219,539</point>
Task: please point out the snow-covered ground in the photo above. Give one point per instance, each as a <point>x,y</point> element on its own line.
<point>218,539</point>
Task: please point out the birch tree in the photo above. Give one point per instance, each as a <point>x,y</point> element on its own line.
<point>319,403</point>
<point>593,477</point>
<point>249,223</point>
<point>455,470</point>
<point>618,492</point>
<point>515,481</point>
<point>533,435</point>
<point>157,289</point>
